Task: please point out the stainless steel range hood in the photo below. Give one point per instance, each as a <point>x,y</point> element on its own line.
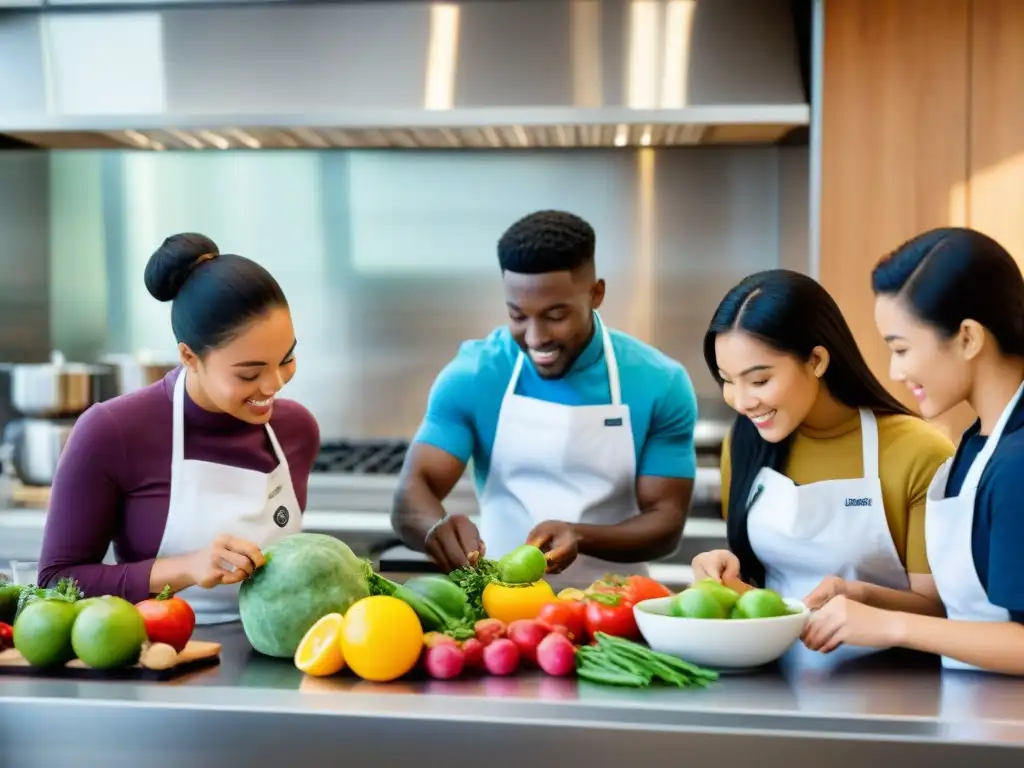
<point>497,73</point>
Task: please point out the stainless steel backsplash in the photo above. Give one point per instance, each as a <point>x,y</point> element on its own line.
<point>388,258</point>
<point>24,257</point>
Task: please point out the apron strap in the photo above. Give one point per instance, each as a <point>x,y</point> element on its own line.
<point>178,411</point>
<point>614,386</point>
<point>514,379</point>
<point>973,479</point>
<point>869,442</point>
<point>278,451</point>
<point>177,435</point>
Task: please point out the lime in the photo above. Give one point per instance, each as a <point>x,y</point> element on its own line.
<point>109,633</point>
<point>81,605</point>
<point>723,594</point>
<point>523,565</point>
<point>694,603</point>
<point>42,633</point>
<point>761,604</point>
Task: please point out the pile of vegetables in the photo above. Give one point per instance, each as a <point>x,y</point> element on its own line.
<point>318,603</point>
<point>51,626</point>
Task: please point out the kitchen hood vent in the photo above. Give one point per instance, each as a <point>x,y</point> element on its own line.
<point>475,74</point>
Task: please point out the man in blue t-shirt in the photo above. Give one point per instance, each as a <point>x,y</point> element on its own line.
<point>581,437</point>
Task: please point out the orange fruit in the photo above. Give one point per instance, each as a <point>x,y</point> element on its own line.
<point>319,653</point>
<point>381,638</point>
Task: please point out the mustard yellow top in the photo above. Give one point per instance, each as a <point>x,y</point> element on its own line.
<point>910,452</point>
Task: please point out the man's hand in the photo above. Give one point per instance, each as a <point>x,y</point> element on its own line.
<point>557,540</point>
<point>454,542</point>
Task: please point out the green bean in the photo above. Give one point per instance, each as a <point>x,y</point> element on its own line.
<point>619,658</point>
<point>601,675</point>
<point>672,661</point>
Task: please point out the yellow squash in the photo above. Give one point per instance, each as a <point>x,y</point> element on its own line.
<point>511,603</point>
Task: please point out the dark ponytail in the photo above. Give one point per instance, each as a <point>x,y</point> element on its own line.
<point>948,275</point>
<point>791,313</point>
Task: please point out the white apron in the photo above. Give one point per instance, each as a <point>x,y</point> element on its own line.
<point>576,464</point>
<point>208,499</point>
<point>947,533</point>
<point>805,533</point>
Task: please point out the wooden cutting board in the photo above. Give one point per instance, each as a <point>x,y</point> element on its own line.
<point>196,655</point>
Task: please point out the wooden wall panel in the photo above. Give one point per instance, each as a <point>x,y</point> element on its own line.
<point>894,143</point>
<point>996,198</point>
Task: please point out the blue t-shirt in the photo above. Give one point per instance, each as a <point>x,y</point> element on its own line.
<point>997,538</point>
<point>462,411</point>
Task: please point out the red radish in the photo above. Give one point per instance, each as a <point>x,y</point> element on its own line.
<point>556,655</point>
<point>527,634</point>
<point>558,629</point>
<point>501,657</point>
<point>444,661</point>
<point>473,651</point>
<point>489,630</point>
<point>432,639</point>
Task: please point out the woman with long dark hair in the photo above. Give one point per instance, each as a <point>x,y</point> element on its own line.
<point>950,305</point>
<point>824,473</point>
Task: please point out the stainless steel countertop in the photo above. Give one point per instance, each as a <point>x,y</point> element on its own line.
<point>893,696</point>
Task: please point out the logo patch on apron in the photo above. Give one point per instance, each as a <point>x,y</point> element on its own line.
<point>613,422</point>
<point>281,517</point>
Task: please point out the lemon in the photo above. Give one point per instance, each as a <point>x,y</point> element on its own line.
<point>319,653</point>
<point>381,638</point>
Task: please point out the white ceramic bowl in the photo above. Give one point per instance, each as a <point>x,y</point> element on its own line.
<point>719,644</point>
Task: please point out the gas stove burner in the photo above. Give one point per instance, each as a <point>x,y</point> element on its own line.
<point>361,457</point>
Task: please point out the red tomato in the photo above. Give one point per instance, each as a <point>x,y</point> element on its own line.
<point>643,588</point>
<point>570,614</point>
<point>611,614</point>
<point>168,619</point>
<point>634,588</point>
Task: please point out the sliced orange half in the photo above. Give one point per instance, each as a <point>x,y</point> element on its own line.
<point>319,654</point>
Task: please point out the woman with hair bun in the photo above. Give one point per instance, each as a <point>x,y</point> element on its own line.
<point>950,305</point>
<point>190,477</point>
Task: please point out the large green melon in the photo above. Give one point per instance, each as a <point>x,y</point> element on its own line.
<point>307,576</point>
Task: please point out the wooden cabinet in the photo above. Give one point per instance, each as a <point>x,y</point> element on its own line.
<point>922,126</point>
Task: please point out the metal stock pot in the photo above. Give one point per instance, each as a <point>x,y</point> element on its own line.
<point>59,390</point>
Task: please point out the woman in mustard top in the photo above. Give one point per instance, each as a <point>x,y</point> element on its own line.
<point>824,473</point>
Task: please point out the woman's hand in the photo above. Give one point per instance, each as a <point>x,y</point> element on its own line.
<point>208,567</point>
<point>718,564</point>
<point>843,620</point>
<point>830,586</point>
